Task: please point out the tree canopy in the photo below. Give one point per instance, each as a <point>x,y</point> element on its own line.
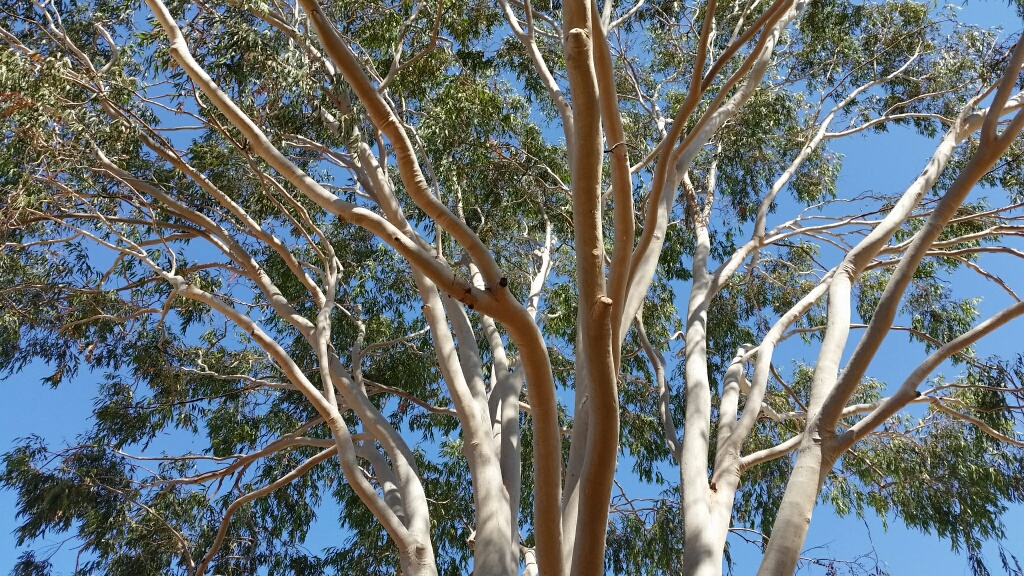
<point>477,271</point>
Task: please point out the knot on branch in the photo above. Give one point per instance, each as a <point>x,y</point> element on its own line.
<point>577,43</point>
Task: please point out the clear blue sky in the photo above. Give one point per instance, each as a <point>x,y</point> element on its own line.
<point>871,164</point>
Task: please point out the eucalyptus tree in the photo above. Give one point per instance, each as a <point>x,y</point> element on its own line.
<point>422,259</point>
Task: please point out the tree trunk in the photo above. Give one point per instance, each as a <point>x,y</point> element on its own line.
<point>790,530</point>
<point>418,560</point>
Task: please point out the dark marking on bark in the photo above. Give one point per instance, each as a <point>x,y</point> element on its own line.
<point>612,149</point>
<point>503,282</point>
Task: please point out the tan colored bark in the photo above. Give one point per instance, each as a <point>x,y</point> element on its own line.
<point>594,316</point>
<point>621,183</point>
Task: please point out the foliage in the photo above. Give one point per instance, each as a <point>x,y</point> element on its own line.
<point>266,295</point>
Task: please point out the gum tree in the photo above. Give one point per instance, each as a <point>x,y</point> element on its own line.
<point>424,260</point>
